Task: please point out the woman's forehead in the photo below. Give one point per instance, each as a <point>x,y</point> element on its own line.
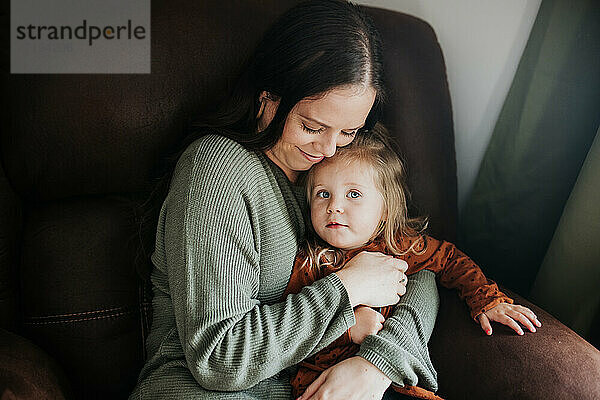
<point>344,108</point>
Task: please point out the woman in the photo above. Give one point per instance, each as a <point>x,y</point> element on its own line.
<point>230,226</point>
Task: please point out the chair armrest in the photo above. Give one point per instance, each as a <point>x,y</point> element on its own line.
<point>27,372</point>
<point>553,363</point>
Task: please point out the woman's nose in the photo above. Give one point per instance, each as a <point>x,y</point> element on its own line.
<point>327,145</point>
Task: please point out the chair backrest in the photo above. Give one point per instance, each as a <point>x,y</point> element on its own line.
<point>77,148</point>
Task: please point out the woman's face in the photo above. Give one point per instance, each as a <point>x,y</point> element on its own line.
<point>314,128</point>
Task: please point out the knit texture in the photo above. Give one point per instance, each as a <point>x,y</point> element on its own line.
<point>227,236</point>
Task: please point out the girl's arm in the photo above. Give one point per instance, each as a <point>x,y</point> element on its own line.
<point>485,300</point>
<point>455,270</point>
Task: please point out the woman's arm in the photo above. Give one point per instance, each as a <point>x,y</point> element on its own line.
<point>398,354</point>
<point>212,237</point>
<point>400,350</point>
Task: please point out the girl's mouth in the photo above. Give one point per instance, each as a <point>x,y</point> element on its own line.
<point>310,157</point>
<point>335,225</point>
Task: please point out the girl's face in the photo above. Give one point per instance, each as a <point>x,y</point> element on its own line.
<point>315,127</point>
<point>345,205</point>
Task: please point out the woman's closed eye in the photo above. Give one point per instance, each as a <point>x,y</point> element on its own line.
<point>311,130</point>
<point>321,129</point>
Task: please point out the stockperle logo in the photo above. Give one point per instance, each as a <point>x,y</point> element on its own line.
<point>66,36</point>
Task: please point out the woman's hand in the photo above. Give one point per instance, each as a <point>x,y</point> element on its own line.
<point>509,314</point>
<point>352,379</point>
<point>368,322</point>
<point>374,279</point>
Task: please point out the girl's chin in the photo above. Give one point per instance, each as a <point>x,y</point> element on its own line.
<point>337,240</point>
<point>343,245</point>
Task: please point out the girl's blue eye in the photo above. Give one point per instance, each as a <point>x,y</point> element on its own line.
<point>323,194</point>
<point>350,133</point>
<point>353,194</point>
<point>309,130</point>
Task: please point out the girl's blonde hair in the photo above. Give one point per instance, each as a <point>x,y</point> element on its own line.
<point>370,150</point>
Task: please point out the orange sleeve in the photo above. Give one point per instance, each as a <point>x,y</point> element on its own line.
<point>301,276</point>
<point>343,340</point>
<point>417,392</point>
<point>455,270</point>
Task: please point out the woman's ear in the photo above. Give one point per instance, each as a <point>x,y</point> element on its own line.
<point>267,109</point>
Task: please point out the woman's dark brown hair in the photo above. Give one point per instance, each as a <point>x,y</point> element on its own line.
<point>311,49</point>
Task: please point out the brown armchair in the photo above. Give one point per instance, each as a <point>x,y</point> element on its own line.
<point>77,155</point>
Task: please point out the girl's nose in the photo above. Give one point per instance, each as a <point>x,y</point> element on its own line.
<point>333,207</point>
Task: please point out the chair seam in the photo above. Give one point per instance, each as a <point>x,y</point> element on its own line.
<point>77,320</point>
<point>80,313</point>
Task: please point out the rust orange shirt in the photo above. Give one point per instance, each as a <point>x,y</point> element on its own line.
<point>453,270</point>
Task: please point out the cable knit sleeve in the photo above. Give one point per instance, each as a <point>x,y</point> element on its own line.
<point>400,350</point>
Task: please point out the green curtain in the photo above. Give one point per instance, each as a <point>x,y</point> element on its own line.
<point>568,283</point>
<point>543,134</point>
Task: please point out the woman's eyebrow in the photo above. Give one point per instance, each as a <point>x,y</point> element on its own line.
<point>325,125</point>
<point>315,121</point>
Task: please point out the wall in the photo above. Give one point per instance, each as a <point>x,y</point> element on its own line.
<point>482,41</point>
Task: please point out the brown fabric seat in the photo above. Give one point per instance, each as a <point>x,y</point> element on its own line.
<point>77,155</point>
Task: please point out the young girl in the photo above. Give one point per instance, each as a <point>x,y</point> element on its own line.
<point>358,202</point>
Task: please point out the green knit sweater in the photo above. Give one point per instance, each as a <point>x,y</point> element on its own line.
<point>227,236</point>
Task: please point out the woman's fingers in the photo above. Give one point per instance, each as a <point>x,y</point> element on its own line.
<point>373,279</point>
<point>312,389</point>
<point>403,279</point>
<point>401,288</point>
<point>485,324</point>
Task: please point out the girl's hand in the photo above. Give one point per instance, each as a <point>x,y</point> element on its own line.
<point>352,379</point>
<point>509,314</point>
<point>374,279</point>
<point>368,322</point>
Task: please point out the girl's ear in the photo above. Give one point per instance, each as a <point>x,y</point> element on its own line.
<point>267,110</point>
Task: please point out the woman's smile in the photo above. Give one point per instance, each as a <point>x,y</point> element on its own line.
<point>310,157</point>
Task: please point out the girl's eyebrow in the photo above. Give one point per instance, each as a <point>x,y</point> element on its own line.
<point>352,184</point>
<point>316,121</point>
<point>356,184</point>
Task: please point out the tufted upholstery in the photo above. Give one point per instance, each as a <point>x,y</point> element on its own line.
<point>77,155</point>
